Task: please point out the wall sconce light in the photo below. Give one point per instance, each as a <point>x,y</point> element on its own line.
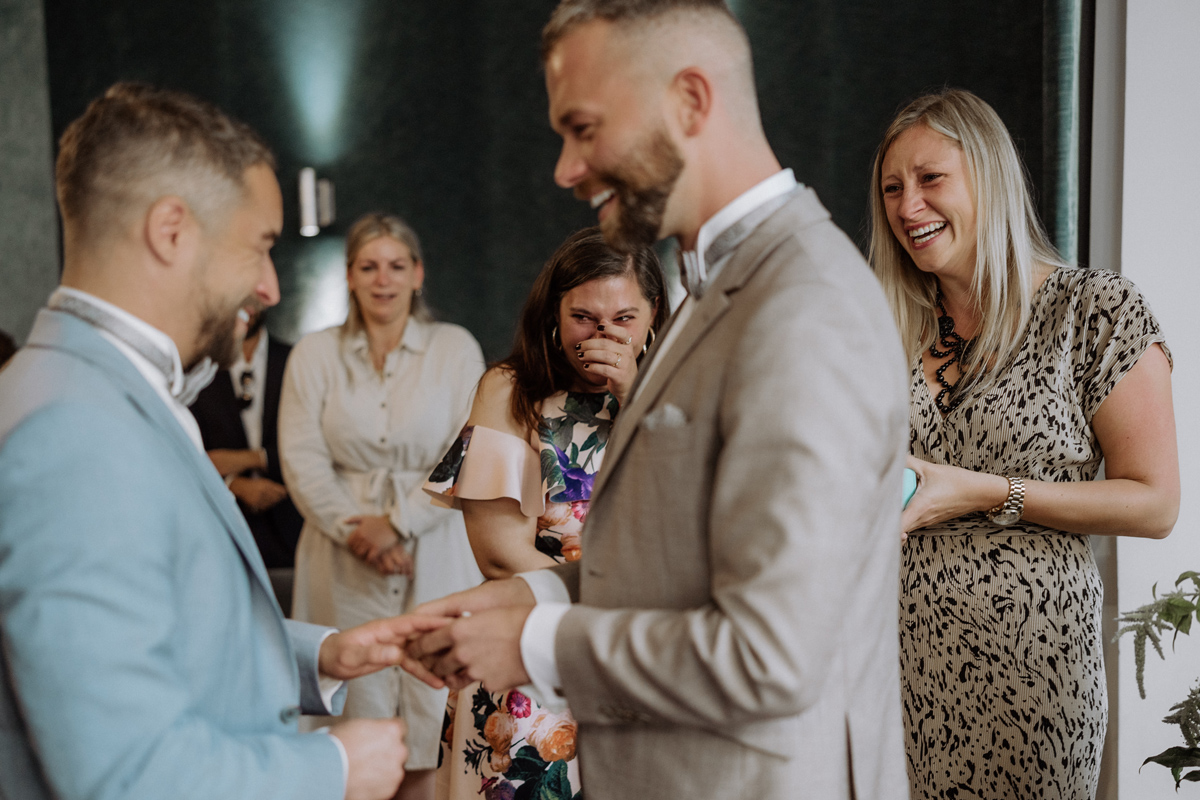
<point>317,206</point>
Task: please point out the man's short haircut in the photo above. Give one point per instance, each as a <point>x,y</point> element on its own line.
<point>570,14</point>
<point>137,143</point>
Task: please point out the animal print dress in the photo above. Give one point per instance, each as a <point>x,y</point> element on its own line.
<point>1000,646</point>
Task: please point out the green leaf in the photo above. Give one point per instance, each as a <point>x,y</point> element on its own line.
<point>550,545</point>
<point>549,463</point>
<point>1194,577</point>
<point>526,765</point>
<point>528,789</point>
<point>555,785</point>
<point>1176,757</point>
<point>1175,608</point>
<point>482,707</point>
<point>1192,777</point>
<point>591,441</point>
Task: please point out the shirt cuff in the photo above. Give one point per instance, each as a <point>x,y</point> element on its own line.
<point>345,758</point>
<point>546,587</point>
<point>537,652</point>
<point>328,687</point>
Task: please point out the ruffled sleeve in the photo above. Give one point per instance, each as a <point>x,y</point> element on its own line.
<point>486,464</point>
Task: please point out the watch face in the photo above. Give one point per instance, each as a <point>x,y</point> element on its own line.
<point>1005,518</point>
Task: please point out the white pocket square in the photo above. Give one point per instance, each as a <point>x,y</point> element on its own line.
<point>667,416</point>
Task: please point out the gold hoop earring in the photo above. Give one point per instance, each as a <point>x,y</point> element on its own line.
<point>646,346</point>
<point>554,341</point>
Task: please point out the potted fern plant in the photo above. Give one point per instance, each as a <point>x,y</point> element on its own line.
<point>1172,613</point>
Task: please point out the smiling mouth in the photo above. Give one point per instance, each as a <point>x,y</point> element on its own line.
<point>600,198</point>
<point>926,232</point>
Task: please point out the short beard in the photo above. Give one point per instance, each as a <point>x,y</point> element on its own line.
<point>218,337</point>
<point>642,185</point>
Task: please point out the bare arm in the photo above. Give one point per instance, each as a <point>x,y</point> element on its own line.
<point>1139,496</point>
<point>235,462</point>
<point>502,538</point>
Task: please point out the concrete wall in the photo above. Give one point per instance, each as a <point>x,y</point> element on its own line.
<point>1158,251</point>
<point>28,227</point>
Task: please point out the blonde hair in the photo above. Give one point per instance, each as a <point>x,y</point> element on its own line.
<point>1010,244</point>
<point>366,229</point>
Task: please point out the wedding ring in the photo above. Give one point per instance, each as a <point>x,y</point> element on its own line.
<point>628,340</point>
<point>618,361</point>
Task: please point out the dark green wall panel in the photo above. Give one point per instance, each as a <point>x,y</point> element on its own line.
<point>28,226</point>
<point>436,110</point>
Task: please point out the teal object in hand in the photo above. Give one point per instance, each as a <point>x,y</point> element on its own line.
<point>910,486</point>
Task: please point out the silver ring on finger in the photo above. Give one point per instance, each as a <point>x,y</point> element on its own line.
<point>618,361</point>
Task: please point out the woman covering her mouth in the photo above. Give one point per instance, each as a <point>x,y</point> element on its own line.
<point>522,473</point>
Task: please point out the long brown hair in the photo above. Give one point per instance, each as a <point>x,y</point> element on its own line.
<point>539,366</point>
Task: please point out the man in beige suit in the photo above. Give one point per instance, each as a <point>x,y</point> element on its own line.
<point>731,628</point>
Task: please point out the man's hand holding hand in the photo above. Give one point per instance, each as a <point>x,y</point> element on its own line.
<point>376,752</point>
<point>483,646</point>
<point>377,645</point>
<point>489,595</point>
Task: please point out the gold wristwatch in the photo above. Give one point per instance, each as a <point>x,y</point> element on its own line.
<point>1010,510</point>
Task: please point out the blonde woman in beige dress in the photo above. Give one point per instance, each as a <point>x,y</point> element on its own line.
<point>1025,374</point>
<point>368,408</point>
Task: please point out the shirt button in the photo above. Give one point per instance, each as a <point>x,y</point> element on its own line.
<point>383,405</point>
<point>382,440</point>
<point>289,715</point>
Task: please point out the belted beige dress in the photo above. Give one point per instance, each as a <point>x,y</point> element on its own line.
<point>353,441</point>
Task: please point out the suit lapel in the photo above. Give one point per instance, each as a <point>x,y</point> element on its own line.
<point>67,333</point>
<point>716,301</point>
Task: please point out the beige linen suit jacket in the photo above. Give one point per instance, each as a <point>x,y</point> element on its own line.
<point>735,633</point>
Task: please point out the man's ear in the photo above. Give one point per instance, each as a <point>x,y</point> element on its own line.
<point>692,90</point>
<point>170,229</point>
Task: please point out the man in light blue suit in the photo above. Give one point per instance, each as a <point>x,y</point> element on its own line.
<point>142,653</point>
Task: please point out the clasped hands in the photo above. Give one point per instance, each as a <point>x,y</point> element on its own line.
<point>376,542</point>
<point>472,636</point>
<point>468,636</point>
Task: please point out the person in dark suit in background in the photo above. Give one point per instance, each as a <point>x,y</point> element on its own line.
<point>238,415</point>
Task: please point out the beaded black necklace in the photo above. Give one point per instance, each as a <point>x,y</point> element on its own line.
<point>954,346</point>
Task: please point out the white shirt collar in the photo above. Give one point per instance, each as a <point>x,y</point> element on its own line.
<point>165,388</point>
<point>778,184</point>
<point>156,337</point>
<point>257,362</point>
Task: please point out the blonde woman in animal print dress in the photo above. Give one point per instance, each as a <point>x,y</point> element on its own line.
<point>1025,374</point>
<point>523,471</point>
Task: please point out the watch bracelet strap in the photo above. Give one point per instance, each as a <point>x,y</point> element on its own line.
<point>1015,501</point>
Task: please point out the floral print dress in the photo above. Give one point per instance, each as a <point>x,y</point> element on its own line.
<point>504,746</point>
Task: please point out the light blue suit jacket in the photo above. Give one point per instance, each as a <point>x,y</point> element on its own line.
<point>143,652</point>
